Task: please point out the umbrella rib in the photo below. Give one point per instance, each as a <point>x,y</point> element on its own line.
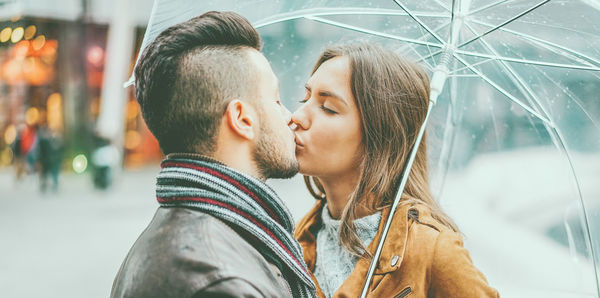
<point>504,23</point>
<point>416,19</point>
<point>463,76</point>
<point>337,11</point>
<point>532,98</point>
<point>588,233</point>
<point>364,30</point>
<point>403,48</point>
<point>506,93</point>
<point>525,61</point>
<point>429,50</point>
<point>440,3</point>
<point>430,55</point>
<point>542,41</point>
<point>478,10</point>
<point>572,97</point>
<point>474,64</point>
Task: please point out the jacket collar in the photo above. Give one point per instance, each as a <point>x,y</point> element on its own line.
<point>392,253</point>
<point>393,250</point>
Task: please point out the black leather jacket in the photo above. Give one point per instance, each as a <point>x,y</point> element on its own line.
<point>188,253</point>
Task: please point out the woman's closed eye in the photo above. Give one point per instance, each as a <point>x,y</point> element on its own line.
<point>323,107</point>
<point>327,110</point>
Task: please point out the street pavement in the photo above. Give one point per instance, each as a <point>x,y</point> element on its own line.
<point>71,244</point>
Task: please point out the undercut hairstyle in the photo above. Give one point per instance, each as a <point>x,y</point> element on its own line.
<point>185,77</point>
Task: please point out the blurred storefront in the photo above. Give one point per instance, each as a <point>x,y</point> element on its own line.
<point>53,62</point>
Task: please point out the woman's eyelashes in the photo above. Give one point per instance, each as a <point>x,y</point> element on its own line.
<point>329,111</point>
<point>323,107</point>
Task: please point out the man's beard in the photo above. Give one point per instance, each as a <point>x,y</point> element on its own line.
<point>271,162</point>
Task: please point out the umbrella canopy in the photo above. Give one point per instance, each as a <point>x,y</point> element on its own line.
<point>515,132</point>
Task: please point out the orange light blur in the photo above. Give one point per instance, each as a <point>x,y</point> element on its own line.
<point>54,112</point>
<point>132,139</point>
<point>133,109</point>
<point>30,31</point>
<point>32,116</point>
<point>38,42</point>
<point>10,134</point>
<point>95,56</point>
<point>26,64</point>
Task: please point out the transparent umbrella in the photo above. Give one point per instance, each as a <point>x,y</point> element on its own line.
<point>515,132</point>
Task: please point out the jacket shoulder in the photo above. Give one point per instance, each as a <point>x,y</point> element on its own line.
<point>183,251</point>
<point>453,273</point>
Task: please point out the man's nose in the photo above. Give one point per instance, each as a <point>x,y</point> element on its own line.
<point>287,115</point>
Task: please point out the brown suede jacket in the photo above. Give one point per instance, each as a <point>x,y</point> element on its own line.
<point>420,258</point>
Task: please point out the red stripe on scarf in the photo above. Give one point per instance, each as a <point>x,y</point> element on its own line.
<point>229,180</point>
<point>240,212</point>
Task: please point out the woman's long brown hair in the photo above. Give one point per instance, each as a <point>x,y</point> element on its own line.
<point>392,96</point>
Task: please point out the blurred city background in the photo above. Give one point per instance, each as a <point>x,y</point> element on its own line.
<point>77,163</point>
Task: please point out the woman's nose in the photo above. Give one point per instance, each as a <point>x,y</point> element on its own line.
<point>299,119</point>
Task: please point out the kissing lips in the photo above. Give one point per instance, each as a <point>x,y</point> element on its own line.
<point>299,144</point>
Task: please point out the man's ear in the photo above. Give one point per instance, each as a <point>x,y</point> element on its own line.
<point>239,117</point>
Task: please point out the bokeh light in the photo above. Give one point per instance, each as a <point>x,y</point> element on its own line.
<point>10,134</point>
<point>80,163</point>
<point>38,42</point>
<point>21,49</point>
<point>132,139</point>
<point>6,156</point>
<point>30,31</point>
<point>133,109</point>
<point>17,34</point>
<point>5,34</point>
<point>54,111</point>
<point>32,116</point>
<point>95,56</point>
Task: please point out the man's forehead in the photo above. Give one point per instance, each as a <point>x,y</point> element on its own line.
<point>263,66</point>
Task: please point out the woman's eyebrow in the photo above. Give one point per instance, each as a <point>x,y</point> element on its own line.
<point>332,95</point>
<point>327,94</point>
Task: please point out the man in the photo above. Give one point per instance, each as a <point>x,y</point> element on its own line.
<point>211,99</point>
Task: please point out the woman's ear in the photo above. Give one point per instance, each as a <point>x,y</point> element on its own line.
<point>239,116</point>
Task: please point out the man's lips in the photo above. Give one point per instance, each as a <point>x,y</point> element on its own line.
<point>298,141</point>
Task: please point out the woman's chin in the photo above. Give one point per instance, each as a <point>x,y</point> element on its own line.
<point>304,169</point>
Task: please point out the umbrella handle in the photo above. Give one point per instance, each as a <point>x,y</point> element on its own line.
<point>405,175</point>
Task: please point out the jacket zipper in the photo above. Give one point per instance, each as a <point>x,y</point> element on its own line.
<point>404,293</point>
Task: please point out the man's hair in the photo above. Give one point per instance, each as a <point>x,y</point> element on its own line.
<point>185,76</point>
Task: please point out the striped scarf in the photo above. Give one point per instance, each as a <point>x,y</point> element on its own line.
<point>245,203</point>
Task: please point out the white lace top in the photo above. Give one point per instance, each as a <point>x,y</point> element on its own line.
<point>334,264</point>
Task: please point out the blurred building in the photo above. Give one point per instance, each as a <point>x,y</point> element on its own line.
<point>62,65</point>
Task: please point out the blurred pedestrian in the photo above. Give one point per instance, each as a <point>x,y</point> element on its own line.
<point>50,152</point>
<point>25,151</point>
<point>105,158</point>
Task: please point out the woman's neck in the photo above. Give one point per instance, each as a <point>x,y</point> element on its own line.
<point>338,190</point>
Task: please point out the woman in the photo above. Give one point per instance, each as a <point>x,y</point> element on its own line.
<point>363,108</point>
